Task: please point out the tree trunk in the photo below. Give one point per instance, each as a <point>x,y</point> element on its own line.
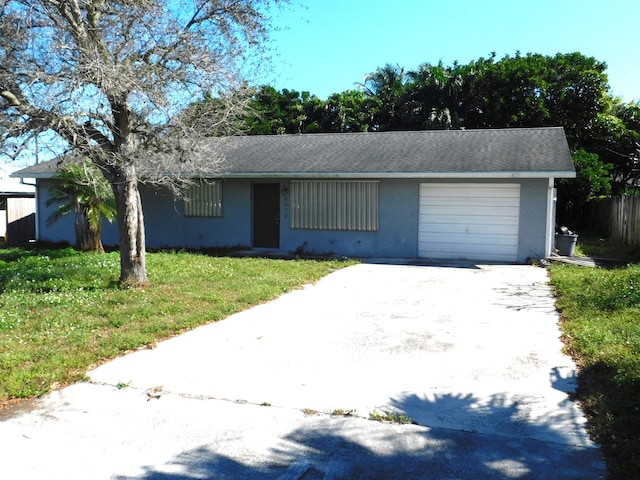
<point>96,239</point>
<point>83,236</point>
<point>455,120</point>
<point>133,269</point>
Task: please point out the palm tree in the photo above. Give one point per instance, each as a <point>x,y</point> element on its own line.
<point>83,190</point>
<point>387,84</point>
<point>436,91</point>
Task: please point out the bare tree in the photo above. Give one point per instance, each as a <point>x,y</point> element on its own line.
<point>112,79</point>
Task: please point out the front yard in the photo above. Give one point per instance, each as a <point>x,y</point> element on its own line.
<point>62,311</point>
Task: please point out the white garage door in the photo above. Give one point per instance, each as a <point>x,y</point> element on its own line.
<point>469,221</point>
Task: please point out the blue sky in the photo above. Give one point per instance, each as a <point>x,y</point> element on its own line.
<point>325,46</point>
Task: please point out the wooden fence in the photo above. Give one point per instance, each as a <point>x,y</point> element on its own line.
<point>617,217</point>
<point>17,215</point>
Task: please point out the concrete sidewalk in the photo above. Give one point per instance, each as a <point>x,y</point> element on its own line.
<point>470,354</point>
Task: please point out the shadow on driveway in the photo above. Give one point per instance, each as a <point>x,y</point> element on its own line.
<point>328,447</point>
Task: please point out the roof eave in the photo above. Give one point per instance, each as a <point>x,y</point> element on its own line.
<point>345,175</point>
<point>398,175</point>
<point>32,175</point>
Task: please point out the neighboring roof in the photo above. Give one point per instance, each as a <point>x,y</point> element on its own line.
<point>503,153</point>
<point>12,186</point>
<point>40,170</point>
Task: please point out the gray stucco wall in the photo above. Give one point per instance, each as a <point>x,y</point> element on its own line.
<point>167,227</point>
<point>396,237</point>
<point>533,221</point>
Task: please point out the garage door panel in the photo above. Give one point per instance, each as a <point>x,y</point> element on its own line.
<point>468,210</point>
<point>470,239</point>
<point>469,221</point>
<point>470,190</point>
<point>469,202</point>
<point>466,254</point>
<point>472,252</point>
<point>474,203</point>
<point>465,250</point>
<point>478,229</point>
<point>458,220</point>
<point>489,198</point>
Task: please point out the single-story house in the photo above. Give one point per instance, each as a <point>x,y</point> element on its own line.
<point>17,208</point>
<point>465,194</point>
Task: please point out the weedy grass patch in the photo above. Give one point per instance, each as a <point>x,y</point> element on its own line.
<point>596,246</point>
<point>62,311</point>
<point>391,417</point>
<point>340,412</point>
<point>600,311</point>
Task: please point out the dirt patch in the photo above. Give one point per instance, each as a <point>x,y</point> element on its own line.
<point>16,407</point>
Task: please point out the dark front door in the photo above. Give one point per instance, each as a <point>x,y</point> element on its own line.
<point>266,215</point>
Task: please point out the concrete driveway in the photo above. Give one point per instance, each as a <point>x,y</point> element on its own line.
<point>470,354</point>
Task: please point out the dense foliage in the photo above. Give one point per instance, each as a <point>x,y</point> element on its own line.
<point>533,90</point>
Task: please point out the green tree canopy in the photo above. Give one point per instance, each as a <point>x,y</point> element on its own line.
<point>282,112</point>
<point>388,85</point>
<point>533,90</point>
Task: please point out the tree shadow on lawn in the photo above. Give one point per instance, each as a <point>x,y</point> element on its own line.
<point>323,447</point>
<point>13,254</point>
<point>612,405</point>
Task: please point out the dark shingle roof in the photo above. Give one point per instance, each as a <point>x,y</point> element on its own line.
<point>40,170</point>
<point>524,152</point>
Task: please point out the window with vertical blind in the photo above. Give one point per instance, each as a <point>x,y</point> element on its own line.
<point>203,200</point>
<point>334,205</point>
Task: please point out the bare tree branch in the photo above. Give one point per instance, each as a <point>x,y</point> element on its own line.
<point>113,79</point>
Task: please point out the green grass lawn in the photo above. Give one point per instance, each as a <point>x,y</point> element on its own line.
<point>595,246</point>
<point>62,311</point>
<point>600,311</point>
